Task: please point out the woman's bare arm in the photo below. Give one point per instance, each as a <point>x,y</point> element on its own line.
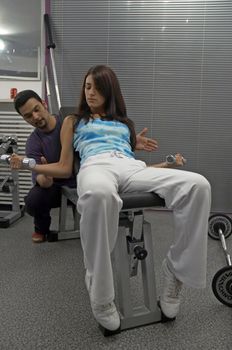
<point>63,168</point>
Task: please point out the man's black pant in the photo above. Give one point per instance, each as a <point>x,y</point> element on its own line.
<point>39,202</point>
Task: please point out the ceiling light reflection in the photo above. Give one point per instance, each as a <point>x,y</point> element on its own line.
<point>4,31</point>
<point>2,45</point>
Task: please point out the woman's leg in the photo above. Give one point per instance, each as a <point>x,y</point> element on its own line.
<point>189,196</point>
<point>99,205</point>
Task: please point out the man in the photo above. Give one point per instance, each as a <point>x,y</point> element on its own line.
<point>44,146</point>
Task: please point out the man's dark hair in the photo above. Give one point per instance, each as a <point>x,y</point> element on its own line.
<point>23,96</point>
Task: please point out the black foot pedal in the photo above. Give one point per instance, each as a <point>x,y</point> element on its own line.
<point>4,223</point>
<point>52,236</point>
<point>164,318</point>
<point>107,332</point>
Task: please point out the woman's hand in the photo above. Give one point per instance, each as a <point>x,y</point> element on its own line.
<point>180,160</point>
<point>144,143</point>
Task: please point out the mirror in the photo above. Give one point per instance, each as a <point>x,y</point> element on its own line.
<point>20,39</point>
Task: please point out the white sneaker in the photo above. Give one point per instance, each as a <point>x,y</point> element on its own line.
<point>106,315</point>
<point>170,297</point>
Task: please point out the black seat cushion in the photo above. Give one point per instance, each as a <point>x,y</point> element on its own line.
<point>141,200</point>
<point>130,200</point>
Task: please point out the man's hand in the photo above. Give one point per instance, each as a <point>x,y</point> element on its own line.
<point>144,143</point>
<point>43,180</point>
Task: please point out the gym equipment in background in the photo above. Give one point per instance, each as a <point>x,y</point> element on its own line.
<point>9,183</point>
<point>220,228</point>
<point>51,47</point>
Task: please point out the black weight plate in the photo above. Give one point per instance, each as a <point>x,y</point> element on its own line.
<point>222,285</point>
<point>221,221</point>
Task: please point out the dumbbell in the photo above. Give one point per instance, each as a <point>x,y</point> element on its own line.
<point>220,227</point>
<point>6,143</point>
<point>171,159</point>
<point>27,163</point>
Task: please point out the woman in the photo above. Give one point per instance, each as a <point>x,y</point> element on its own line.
<point>105,138</point>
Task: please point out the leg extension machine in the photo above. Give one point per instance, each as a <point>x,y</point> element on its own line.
<point>133,247</point>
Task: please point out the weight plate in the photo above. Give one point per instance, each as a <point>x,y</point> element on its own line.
<point>222,285</point>
<point>219,221</point>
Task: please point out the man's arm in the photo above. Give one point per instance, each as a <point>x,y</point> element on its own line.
<point>44,180</point>
<point>35,150</point>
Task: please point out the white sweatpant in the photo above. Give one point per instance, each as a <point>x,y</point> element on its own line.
<point>188,194</point>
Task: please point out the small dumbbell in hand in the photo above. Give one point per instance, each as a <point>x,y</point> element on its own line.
<point>175,160</point>
<point>18,162</point>
<point>5,158</point>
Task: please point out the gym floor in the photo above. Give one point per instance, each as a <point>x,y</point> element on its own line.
<point>44,304</point>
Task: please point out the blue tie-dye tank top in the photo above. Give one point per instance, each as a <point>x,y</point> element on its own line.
<point>100,136</point>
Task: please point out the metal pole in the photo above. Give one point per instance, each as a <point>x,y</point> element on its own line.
<point>48,89</point>
<point>55,78</point>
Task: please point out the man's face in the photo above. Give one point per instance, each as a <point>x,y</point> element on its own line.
<point>35,113</point>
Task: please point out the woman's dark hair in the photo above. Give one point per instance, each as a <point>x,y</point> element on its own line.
<point>23,96</point>
<point>107,84</point>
